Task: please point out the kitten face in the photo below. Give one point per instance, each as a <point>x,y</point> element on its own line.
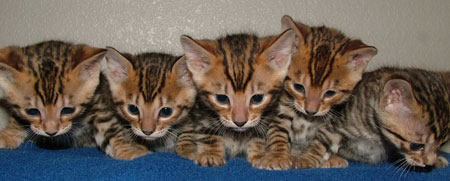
<point>42,83</point>
<point>238,75</point>
<point>153,91</point>
<point>325,69</point>
<point>409,125</point>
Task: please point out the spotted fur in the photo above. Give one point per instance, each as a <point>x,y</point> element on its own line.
<point>399,115</point>
<point>41,85</point>
<point>324,70</point>
<point>239,79</point>
<point>151,96</point>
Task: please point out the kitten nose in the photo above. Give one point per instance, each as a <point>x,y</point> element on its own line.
<point>147,132</point>
<point>239,123</point>
<point>51,134</point>
<point>310,113</point>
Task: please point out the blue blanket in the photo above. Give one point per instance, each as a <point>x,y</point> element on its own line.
<point>32,163</point>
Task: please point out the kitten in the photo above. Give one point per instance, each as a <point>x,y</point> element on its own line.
<point>394,112</point>
<point>238,78</point>
<point>151,96</point>
<point>324,70</point>
<point>42,85</point>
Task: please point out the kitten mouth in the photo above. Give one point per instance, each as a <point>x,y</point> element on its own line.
<point>240,129</point>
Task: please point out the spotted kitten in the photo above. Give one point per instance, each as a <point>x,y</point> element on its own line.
<point>400,115</point>
<point>239,78</point>
<point>324,70</point>
<point>41,85</point>
<point>151,96</point>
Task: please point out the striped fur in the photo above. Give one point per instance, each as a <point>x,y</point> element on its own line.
<point>391,109</point>
<point>231,74</point>
<point>42,85</point>
<point>150,82</point>
<point>325,60</point>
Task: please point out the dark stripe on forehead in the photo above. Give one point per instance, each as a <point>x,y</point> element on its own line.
<point>153,68</point>
<point>325,45</point>
<point>238,52</point>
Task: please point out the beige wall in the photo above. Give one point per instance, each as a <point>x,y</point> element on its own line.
<point>406,32</point>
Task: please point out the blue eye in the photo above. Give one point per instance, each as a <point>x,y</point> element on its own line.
<point>134,110</point>
<point>165,112</point>
<point>67,110</point>
<point>257,98</point>
<point>416,146</point>
<point>33,112</point>
<point>223,99</point>
<point>299,88</point>
<point>330,93</point>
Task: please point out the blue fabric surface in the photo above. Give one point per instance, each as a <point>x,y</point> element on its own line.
<point>32,163</point>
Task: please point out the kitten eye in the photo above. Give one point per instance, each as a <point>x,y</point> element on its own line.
<point>416,146</point>
<point>33,112</point>
<point>299,87</point>
<point>257,98</point>
<point>133,109</point>
<point>165,112</point>
<point>223,99</point>
<point>330,93</point>
<point>67,110</point>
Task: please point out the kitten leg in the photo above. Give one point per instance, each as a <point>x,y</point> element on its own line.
<point>186,146</point>
<point>441,162</point>
<point>13,135</point>
<point>113,139</point>
<point>277,147</point>
<point>256,151</point>
<point>334,162</point>
<point>211,150</point>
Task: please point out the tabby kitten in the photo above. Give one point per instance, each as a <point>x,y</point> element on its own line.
<point>151,96</point>
<point>41,85</point>
<point>239,78</point>
<point>393,112</point>
<point>324,70</point>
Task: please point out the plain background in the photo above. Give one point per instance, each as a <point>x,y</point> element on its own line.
<point>406,32</point>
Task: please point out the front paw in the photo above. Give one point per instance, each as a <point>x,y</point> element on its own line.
<point>334,162</point>
<point>127,152</point>
<point>306,162</point>
<point>273,162</point>
<point>441,162</point>
<point>210,160</point>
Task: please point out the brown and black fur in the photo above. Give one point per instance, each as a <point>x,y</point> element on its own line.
<point>391,108</point>
<point>324,60</point>
<point>42,85</point>
<point>148,81</point>
<point>240,67</point>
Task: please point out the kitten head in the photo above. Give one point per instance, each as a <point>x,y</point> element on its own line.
<point>325,68</point>
<point>152,91</point>
<point>239,76</point>
<point>415,118</point>
<point>42,83</point>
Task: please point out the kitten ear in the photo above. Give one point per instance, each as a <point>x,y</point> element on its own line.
<point>10,63</point>
<point>280,52</point>
<point>398,97</point>
<point>358,55</point>
<point>117,66</point>
<point>300,30</point>
<point>197,57</point>
<point>88,61</point>
<point>184,77</point>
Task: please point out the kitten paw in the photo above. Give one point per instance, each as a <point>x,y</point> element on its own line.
<point>11,141</point>
<point>306,162</point>
<point>441,162</point>
<point>210,160</point>
<point>334,162</point>
<point>130,152</point>
<point>273,162</point>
